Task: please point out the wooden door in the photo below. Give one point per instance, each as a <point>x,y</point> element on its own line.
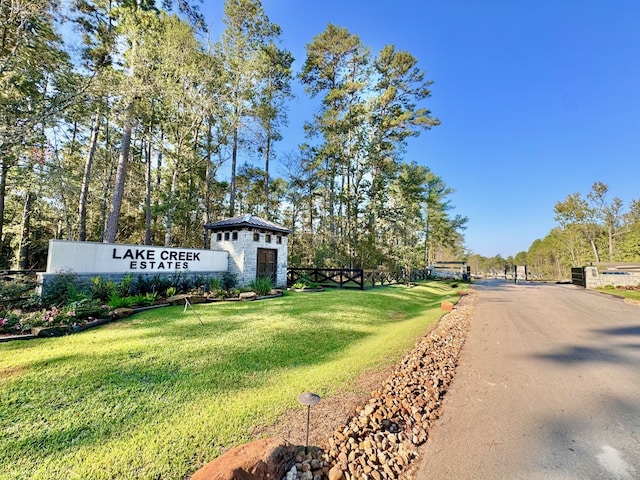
<point>267,264</point>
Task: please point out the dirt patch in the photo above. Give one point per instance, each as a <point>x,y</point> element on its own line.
<point>9,372</point>
<point>328,415</point>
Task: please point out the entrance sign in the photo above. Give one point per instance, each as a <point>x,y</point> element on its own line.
<point>92,257</point>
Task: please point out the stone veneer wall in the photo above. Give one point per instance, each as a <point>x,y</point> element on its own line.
<point>243,253</point>
<point>597,279</point>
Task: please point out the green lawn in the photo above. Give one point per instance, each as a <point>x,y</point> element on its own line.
<point>157,395</point>
<point>631,294</point>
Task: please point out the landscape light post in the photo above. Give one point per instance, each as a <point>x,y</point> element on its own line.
<point>309,399</point>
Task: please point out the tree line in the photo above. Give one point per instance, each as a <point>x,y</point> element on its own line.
<point>592,229</point>
<point>119,120</point>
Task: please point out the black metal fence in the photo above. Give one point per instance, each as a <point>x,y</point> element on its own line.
<point>354,277</point>
<point>328,277</point>
<point>380,277</point>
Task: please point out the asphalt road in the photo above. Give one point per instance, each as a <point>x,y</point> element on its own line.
<point>548,387</point>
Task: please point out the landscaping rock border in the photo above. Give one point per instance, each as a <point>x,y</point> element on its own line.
<point>381,440</point>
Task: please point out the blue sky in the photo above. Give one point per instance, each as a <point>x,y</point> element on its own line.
<point>537,99</point>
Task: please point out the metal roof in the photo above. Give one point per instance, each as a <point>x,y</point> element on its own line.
<point>246,221</point>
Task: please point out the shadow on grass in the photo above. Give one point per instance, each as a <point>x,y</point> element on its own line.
<point>132,389</point>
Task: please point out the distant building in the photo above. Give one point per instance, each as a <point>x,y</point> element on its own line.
<point>454,270</point>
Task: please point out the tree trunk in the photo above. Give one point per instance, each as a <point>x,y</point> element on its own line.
<point>611,242</point>
<point>171,209</point>
<point>207,186</point>
<point>107,175</point>
<point>84,191</point>
<point>234,158</point>
<point>4,170</point>
<point>147,196</point>
<point>595,250</point>
<point>22,262</point>
<point>121,175</point>
<point>267,155</point>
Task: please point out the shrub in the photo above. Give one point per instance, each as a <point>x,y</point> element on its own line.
<point>9,322</point>
<point>124,285</point>
<point>182,283</point>
<point>304,283</point>
<point>144,300</point>
<point>146,284</point>
<point>62,290</point>
<point>142,284</point>
<point>215,284</point>
<point>200,283</point>
<point>229,281</point>
<point>262,286</point>
<point>171,291</point>
<point>100,289</point>
<point>50,317</point>
<point>90,309</point>
<point>16,292</point>
<point>116,301</point>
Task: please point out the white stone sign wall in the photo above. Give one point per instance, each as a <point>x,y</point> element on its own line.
<point>91,257</point>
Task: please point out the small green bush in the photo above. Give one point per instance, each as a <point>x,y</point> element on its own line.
<point>145,300</point>
<point>90,309</point>
<point>139,300</point>
<point>200,283</point>
<point>63,290</point>
<point>116,301</point>
<point>146,284</point>
<point>100,289</point>
<point>124,285</point>
<point>182,283</point>
<point>229,281</point>
<point>304,283</point>
<point>262,286</point>
<point>215,284</point>
<point>142,284</point>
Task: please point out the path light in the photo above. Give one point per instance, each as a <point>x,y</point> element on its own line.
<point>309,399</point>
